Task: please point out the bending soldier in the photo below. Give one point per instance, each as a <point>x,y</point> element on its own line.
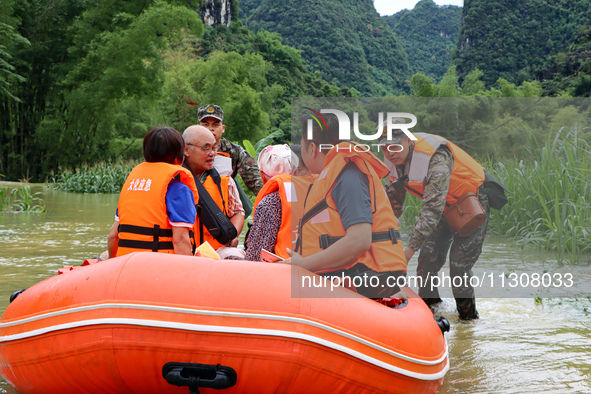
<point>440,173</point>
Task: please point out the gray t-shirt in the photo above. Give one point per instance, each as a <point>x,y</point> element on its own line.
<point>351,195</point>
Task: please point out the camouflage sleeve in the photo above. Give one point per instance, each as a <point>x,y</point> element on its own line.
<point>436,187</point>
<point>247,167</point>
<point>396,196</point>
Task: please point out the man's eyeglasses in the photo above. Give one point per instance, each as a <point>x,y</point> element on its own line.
<point>207,147</point>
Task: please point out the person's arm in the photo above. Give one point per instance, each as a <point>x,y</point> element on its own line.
<point>247,168</point>
<point>181,212</point>
<point>235,207</point>
<point>238,222</point>
<point>396,195</point>
<point>113,239</point>
<point>266,223</point>
<point>181,241</point>
<point>345,251</point>
<point>353,202</point>
<point>434,196</point>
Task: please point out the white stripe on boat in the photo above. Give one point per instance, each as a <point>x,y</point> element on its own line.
<point>233,330</point>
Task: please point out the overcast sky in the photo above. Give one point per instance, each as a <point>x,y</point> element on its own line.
<point>389,7</point>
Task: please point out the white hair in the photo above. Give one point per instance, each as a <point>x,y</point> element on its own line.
<point>276,160</point>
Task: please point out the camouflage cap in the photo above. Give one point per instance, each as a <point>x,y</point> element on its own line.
<point>210,111</point>
<point>397,134</point>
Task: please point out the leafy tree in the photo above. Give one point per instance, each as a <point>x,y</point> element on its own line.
<point>570,72</point>
<point>45,26</point>
<point>511,39</point>
<point>345,40</point>
<point>282,76</point>
<point>83,75</point>
<point>472,84</point>
<point>449,86</point>
<point>428,34</point>
<point>121,65</point>
<point>7,71</point>
<point>238,84</point>
<point>422,86</point>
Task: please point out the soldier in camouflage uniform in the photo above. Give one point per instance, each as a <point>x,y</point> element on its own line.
<point>212,117</point>
<point>431,233</point>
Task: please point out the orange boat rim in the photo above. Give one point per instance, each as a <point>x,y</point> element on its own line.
<point>153,323</point>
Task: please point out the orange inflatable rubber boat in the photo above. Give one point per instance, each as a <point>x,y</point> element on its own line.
<point>156,323</point>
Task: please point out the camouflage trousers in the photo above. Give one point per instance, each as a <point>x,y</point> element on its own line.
<point>463,253</point>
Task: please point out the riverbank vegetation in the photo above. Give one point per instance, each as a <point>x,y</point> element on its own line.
<point>100,178</point>
<point>20,199</point>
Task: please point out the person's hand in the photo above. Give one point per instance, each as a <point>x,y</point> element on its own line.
<point>401,295</point>
<point>294,259</point>
<point>408,253</point>
<point>234,242</point>
<point>197,253</point>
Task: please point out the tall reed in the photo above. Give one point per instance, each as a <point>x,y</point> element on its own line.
<point>549,196</point>
<point>5,202</point>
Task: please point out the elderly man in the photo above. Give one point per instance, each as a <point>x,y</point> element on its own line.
<point>200,151</point>
<point>232,159</point>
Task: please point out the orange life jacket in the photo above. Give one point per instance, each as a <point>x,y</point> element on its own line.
<point>142,207</point>
<point>321,225</point>
<point>221,201</point>
<point>292,192</point>
<point>466,175</point>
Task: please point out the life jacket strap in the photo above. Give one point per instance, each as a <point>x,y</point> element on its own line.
<point>315,210</point>
<point>129,228</point>
<point>390,235</point>
<point>148,245</point>
<point>156,232</point>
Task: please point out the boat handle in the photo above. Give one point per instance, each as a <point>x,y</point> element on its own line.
<point>194,375</point>
<point>443,324</point>
<point>16,294</point>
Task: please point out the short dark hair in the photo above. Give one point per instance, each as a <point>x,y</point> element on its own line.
<point>324,133</point>
<point>163,144</point>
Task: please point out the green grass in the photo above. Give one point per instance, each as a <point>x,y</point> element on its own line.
<point>5,202</point>
<point>549,201</point>
<point>101,178</point>
<point>412,207</point>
